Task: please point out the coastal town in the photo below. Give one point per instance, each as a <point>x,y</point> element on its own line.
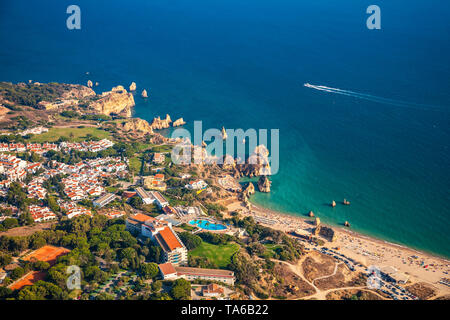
<point>83,183</point>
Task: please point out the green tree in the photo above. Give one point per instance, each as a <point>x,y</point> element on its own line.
<point>181,289</point>
<point>149,270</point>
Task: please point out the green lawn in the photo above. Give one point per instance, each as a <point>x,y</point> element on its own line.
<point>135,164</point>
<point>73,134</point>
<point>219,254</point>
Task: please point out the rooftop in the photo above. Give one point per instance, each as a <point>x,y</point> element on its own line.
<point>167,268</point>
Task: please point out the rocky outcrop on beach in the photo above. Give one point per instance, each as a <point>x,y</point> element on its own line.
<point>178,122</point>
<point>249,189</point>
<point>264,184</point>
<point>159,123</point>
<point>117,101</point>
<point>317,222</point>
<point>133,86</point>
<point>257,163</point>
<point>327,233</point>
<point>137,125</point>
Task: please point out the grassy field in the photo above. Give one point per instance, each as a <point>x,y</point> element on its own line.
<point>271,249</point>
<point>219,254</point>
<point>135,164</point>
<point>73,134</point>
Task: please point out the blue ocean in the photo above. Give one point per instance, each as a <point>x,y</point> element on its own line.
<point>380,138</point>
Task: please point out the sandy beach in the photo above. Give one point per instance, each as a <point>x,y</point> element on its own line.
<point>419,266</point>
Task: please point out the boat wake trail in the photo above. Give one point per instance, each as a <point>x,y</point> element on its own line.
<point>372,98</point>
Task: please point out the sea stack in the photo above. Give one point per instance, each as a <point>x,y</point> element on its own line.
<point>224,133</point>
<point>89,83</point>
<point>346,202</point>
<point>144,94</point>
<point>333,203</point>
<point>264,184</point>
<point>178,122</point>
<point>311,214</point>
<point>133,86</point>
<point>346,224</point>
<point>204,144</point>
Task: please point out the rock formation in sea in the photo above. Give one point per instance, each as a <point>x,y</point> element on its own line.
<point>178,122</point>
<point>264,184</point>
<point>117,101</point>
<point>346,224</point>
<point>89,83</point>
<point>311,214</point>
<point>333,203</point>
<point>224,133</point>
<point>144,94</point>
<point>133,86</point>
<point>346,202</point>
<point>159,123</point>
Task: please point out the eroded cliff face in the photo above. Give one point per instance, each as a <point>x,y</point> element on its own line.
<point>256,165</point>
<point>264,184</point>
<point>117,101</point>
<point>159,123</point>
<point>137,125</point>
<point>76,91</point>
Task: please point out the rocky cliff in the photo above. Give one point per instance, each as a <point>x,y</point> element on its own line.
<point>159,123</point>
<point>76,91</point>
<point>137,124</point>
<point>117,101</point>
<point>256,165</point>
<point>264,184</point>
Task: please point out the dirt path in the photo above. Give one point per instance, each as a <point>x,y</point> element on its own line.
<point>330,275</point>
<point>322,294</point>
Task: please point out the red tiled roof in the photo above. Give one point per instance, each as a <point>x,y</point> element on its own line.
<point>170,239</point>
<point>167,268</point>
<point>141,217</point>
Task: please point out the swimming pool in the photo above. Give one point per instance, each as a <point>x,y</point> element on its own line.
<point>207,225</point>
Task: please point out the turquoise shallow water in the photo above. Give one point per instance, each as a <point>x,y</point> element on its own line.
<point>242,64</point>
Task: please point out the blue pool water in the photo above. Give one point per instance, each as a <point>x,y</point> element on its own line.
<point>205,224</point>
